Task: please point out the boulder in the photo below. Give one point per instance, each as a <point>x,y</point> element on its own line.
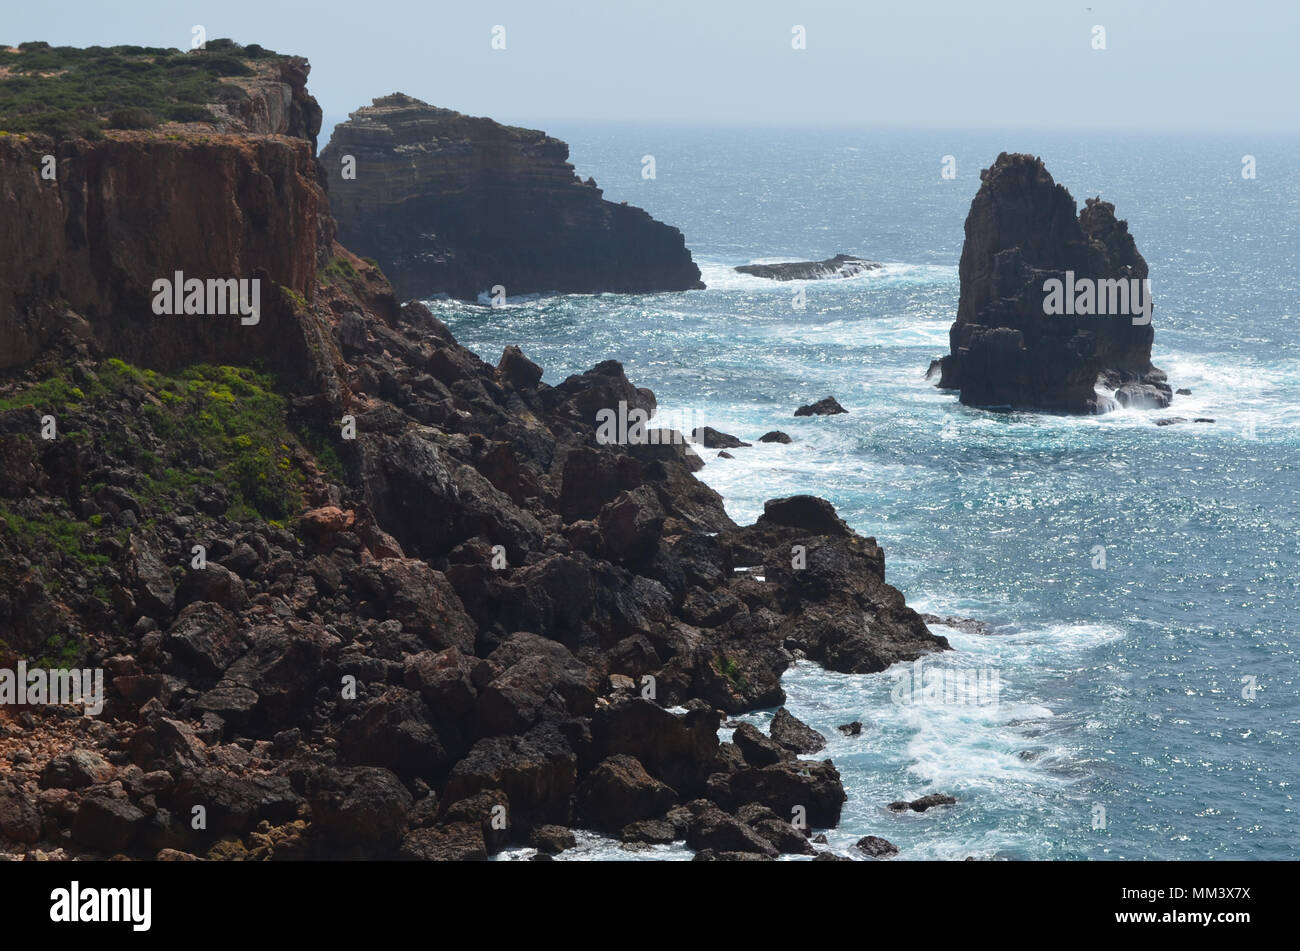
<point>715,830</point>
<point>677,749</point>
<point>359,808</point>
<point>619,792</point>
<point>711,438</point>
<point>783,786</point>
<point>457,842</point>
<point>795,735</point>
<point>20,820</point>
<point>758,749</point>
<point>106,824</point>
<point>876,847</point>
<point>806,513</point>
<point>75,770</point>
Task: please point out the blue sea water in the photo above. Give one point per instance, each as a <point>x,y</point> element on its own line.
<point>1125,688</point>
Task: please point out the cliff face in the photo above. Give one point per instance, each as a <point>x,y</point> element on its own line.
<point>453,204</point>
<point>1006,349</point>
<point>85,250</point>
<point>79,254</point>
<point>276,102</point>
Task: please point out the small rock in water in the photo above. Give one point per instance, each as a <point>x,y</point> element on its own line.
<point>711,438</point>
<point>842,265</point>
<point>823,407</point>
<point>964,624</point>
<point>876,847</point>
<point>774,436</point>
<point>922,804</point>
<point>851,729</point>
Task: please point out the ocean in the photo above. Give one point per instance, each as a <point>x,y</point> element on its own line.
<point>1140,581</point>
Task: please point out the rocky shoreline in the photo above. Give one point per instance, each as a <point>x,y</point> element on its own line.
<point>372,597</point>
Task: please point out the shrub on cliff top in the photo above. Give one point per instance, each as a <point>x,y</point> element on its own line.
<point>132,118</point>
<point>68,92</point>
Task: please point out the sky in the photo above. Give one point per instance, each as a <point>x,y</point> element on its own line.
<point>1167,65</point>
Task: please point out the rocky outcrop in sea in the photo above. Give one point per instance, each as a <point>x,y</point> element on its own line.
<point>840,266</point>
<point>1053,301</point>
<point>457,205</point>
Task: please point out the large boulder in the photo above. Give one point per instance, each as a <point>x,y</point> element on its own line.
<point>784,786</point>
<point>361,808</point>
<point>677,749</point>
<point>536,674</point>
<point>795,735</point>
<point>618,792</point>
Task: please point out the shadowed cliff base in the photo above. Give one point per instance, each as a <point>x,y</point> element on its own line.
<point>457,205</point>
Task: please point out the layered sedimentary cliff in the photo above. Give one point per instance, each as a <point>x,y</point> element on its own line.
<point>91,225</point>
<point>1007,346</point>
<point>452,204</point>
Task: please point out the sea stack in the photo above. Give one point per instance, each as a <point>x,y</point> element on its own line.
<point>457,205</point>
<point>1053,301</point>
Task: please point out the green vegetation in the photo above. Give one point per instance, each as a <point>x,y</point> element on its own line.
<point>341,271</point>
<point>69,92</point>
<point>230,418</point>
<point>728,669</point>
<point>61,652</point>
<point>64,536</point>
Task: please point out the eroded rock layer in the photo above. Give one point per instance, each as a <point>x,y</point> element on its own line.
<point>452,204</point>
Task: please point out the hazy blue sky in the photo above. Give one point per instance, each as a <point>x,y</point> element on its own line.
<point>1168,64</point>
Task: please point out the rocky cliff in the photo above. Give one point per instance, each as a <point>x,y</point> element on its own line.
<point>1007,350</point>
<point>373,596</point>
<point>456,205</point>
<point>91,225</point>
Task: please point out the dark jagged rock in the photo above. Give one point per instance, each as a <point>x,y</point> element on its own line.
<point>711,438</point>
<point>716,830</point>
<point>552,840</point>
<point>922,804</point>
<point>806,513</point>
<point>758,749</point>
<point>452,204</point>
<point>795,735</point>
<point>851,729</point>
<point>364,807</point>
<point>1006,351</point>
<point>823,407</point>
<point>775,436</point>
<point>876,847</point>
<point>840,266</point>
<point>619,792</point>
<point>789,784</point>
